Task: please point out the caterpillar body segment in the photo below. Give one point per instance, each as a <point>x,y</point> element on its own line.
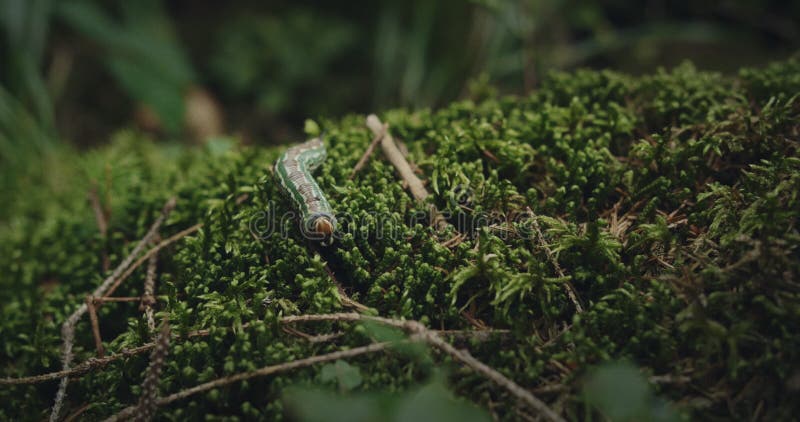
<point>293,170</point>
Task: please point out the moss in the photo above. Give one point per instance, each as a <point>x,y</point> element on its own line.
<point>670,202</point>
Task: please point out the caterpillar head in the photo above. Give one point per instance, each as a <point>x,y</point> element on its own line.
<point>321,227</point>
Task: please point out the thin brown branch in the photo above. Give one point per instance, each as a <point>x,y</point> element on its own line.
<point>99,213</point>
<point>348,301</point>
<point>68,327</point>
<point>464,356</point>
<point>343,296</point>
<point>154,250</point>
<point>454,241</point>
<point>98,341</point>
<point>401,164</point>
<point>117,299</point>
<point>571,292</point>
<point>79,411</point>
<point>87,366</point>
<point>480,335</point>
<point>109,181</point>
<point>92,364</point>
<point>265,371</point>
<point>412,327</point>
<point>102,223</point>
<point>370,149</point>
<point>319,338</point>
<point>148,296</point>
<point>146,408</point>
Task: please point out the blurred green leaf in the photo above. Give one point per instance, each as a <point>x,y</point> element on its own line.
<point>140,52</point>
<point>429,403</point>
<point>382,332</point>
<point>621,393</point>
<point>415,350</point>
<point>25,26</point>
<point>433,403</point>
<point>322,406</point>
<point>268,59</point>
<point>347,377</point>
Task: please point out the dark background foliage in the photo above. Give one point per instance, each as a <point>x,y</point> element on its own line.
<point>83,68</point>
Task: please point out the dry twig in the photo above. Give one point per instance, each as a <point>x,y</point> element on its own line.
<point>148,298</point>
<point>98,341</point>
<point>154,250</point>
<point>399,162</point>
<point>95,363</point>
<point>395,156</point>
<point>148,403</point>
<point>68,328</point>
<point>117,299</point>
<point>343,296</point>
<point>319,338</point>
<point>267,370</point>
<point>79,411</point>
<point>99,213</point>
<point>370,149</point>
<point>101,217</point>
<point>432,338</point>
<point>84,367</point>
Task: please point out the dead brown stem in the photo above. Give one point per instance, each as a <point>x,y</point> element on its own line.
<point>98,341</point>
<point>267,370</point>
<point>148,298</point>
<point>319,338</point>
<point>117,299</point>
<point>97,208</point>
<point>399,162</point>
<point>370,149</point>
<point>95,363</point>
<point>102,222</point>
<point>146,408</point>
<point>343,296</point>
<point>68,327</point>
<point>432,338</point>
<point>154,250</point>
<point>395,156</point>
<point>515,389</point>
<point>79,411</point>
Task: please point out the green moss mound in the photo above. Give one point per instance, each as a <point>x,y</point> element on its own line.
<point>670,202</point>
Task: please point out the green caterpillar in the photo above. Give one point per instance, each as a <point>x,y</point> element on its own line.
<point>293,170</point>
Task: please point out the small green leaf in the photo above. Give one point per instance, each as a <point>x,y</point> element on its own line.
<point>348,377</point>
<point>311,128</point>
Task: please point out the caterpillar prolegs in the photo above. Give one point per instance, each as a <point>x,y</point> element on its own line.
<point>293,170</point>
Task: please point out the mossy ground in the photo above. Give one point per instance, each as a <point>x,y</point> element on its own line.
<point>670,202</point>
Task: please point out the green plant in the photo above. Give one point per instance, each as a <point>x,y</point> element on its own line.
<point>669,202</point>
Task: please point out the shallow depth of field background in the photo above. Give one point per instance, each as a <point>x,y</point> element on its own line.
<point>73,72</point>
<point>81,69</point>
